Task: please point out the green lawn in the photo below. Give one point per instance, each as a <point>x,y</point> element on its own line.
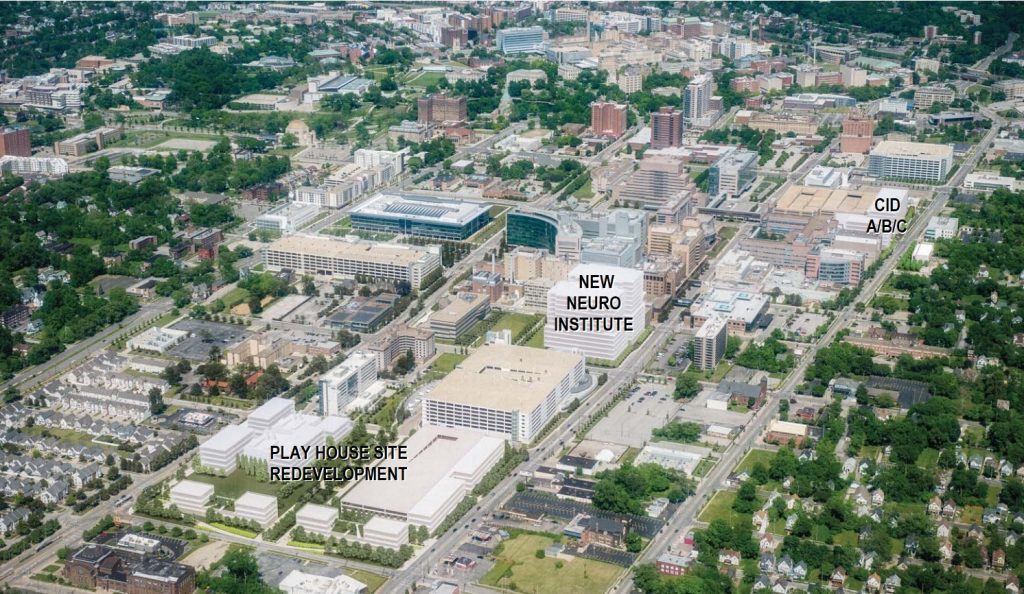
<point>306,545</point>
<point>373,581</point>
<point>586,192</point>
<point>68,435</point>
<point>720,507</point>
<point>928,459</point>
<point>235,296</point>
<point>847,538</point>
<point>518,569</point>
<point>537,340</point>
<point>237,483</point>
<point>992,497</point>
<point>426,79</point>
<point>233,530</point>
<point>753,457</point>
<point>516,322</point>
<point>971,514</point>
<point>445,364</point>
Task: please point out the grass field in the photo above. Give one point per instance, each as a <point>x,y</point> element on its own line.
<point>68,435</point>
<point>928,459</point>
<point>306,545</point>
<point>237,483</point>
<point>426,79</point>
<point>516,322</point>
<point>232,530</point>
<point>235,296</point>
<point>537,340</point>
<point>518,569</point>
<point>720,507</point>
<point>373,581</point>
<point>971,514</point>
<point>586,192</point>
<point>753,457</point>
<point>445,364</point>
<point>847,538</point>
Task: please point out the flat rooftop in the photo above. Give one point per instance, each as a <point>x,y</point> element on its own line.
<point>187,488</point>
<point>435,454</point>
<point>426,209</point>
<point>257,500</point>
<point>895,148</point>
<point>736,305</point>
<point>813,200</point>
<point>363,251</point>
<point>462,304</point>
<point>505,377</point>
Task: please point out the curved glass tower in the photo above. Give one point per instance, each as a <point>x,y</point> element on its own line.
<point>532,229</point>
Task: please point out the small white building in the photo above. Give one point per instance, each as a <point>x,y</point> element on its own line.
<point>191,497</point>
<point>298,582</point>
<point>718,401</point>
<point>315,518</point>
<point>382,532</point>
<point>923,252</point>
<point>157,340</point>
<point>220,452</point>
<point>257,507</point>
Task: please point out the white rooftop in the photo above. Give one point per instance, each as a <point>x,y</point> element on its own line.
<point>380,525</point>
<point>272,409</point>
<point>187,488</point>
<point>318,513</point>
<point>256,500</point>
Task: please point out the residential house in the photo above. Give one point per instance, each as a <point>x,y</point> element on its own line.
<point>944,529</point>
<point>769,542</point>
<point>877,497</point>
<point>946,550</point>
<point>761,521</point>
<point>949,508</point>
<point>838,577</point>
<point>874,583</point>
<point>893,583</point>
<point>785,565</point>
<point>998,559</point>
<point>766,563</point>
<point>1012,585</point>
<point>729,557</point>
<point>9,521</point>
<point>935,505</point>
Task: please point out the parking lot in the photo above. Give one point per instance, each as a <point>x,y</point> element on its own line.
<point>696,411</point>
<point>205,336</point>
<point>632,420</point>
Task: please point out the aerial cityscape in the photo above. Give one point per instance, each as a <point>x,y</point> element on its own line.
<point>524,296</point>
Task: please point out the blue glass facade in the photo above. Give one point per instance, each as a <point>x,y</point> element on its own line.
<point>531,230</point>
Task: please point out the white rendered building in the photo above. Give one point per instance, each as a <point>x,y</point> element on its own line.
<point>347,382</point>
<point>257,507</point>
<point>298,582</point>
<point>508,391</point>
<point>709,343</point>
<point>387,533</point>
<point>325,256</point>
<point>627,287</point>
<point>317,518</point>
<point>191,497</point>
<point>221,451</point>
<point>450,463</point>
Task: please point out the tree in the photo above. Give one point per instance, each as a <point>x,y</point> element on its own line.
<point>687,386</point>
<point>156,401</point>
<point>746,498</point>
<point>288,140</point>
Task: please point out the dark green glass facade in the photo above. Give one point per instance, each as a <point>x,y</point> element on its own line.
<point>531,230</point>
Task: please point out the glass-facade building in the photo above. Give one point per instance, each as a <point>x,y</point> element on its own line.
<point>528,229</point>
<point>422,216</point>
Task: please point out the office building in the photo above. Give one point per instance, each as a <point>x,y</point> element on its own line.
<point>191,497</point>
<point>657,181</point>
<point>49,166</point>
<point>318,519</point>
<point>450,462</point>
<point>942,228</point>
<point>733,174</point>
<point>836,266</point>
<point>986,181</point>
<point>441,108</point>
<point>1012,87</point>
<point>857,134</point>
<point>630,80</point>
<point>697,97</point>
<point>287,218</point>
<point>915,161</point>
<point>336,257</point>
<point>422,216</point>
<point>258,508</point>
<point>101,567</point>
<point>334,83</point>
<point>520,40</point>
<point>298,582</point>
<point>533,229</point>
<point>781,122</point>
<point>743,310</point>
<point>926,97</point>
<point>465,310</point>
<point>666,128</point>
<point>709,343</point>
<point>15,142</point>
<point>86,142</point>
<point>627,287</point>
<point>347,382</point>
<point>504,390</point>
<point>220,452</point>
<point>401,340</point>
<point>607,119</point>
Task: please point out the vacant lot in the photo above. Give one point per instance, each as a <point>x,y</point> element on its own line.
<point>720,507</point>
<point>520,570</point>
<point>237,483</point>
<point>752,458</point>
